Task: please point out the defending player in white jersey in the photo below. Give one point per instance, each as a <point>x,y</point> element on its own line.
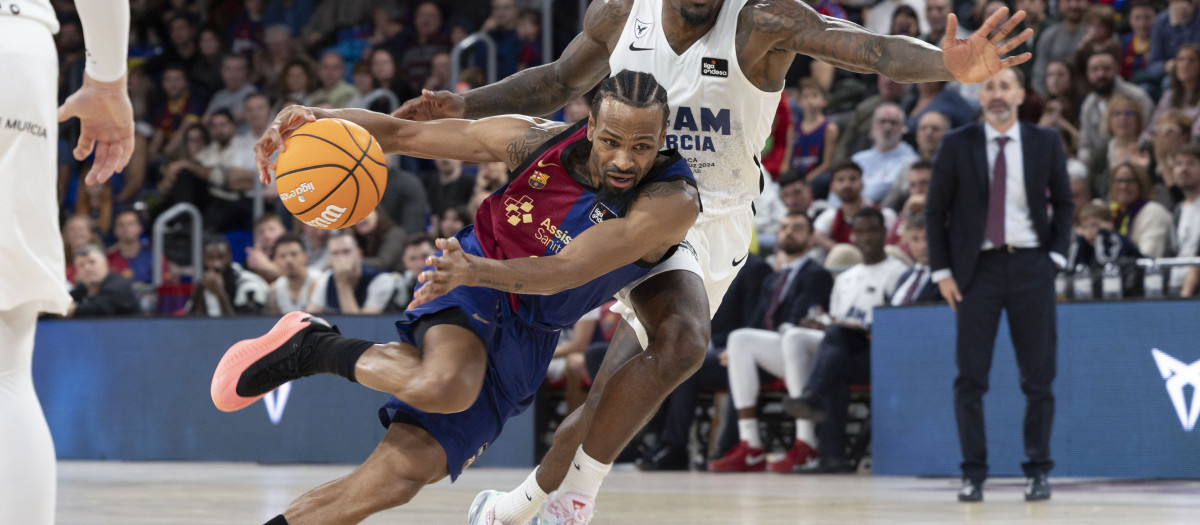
<point>31,248</point>
<point>723,62</point>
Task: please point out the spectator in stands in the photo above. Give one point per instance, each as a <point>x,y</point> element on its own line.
<point>270,60</point>
<point>1100,22</point>
<point>417,248</point>
<point>256,114</point>
<point>1036,17</point>
<point>1173,28</point>
<point>226,288</point>
<point>1102,76</point>
<point>1059,41</point>
<point>389,32</point>
<point>934,97</point>
<point>247,32</point>
<point>131,256</point>
<point>816,136</point>
<point>294,287</point>
<point>914,285</point>
<point>882,163</point>
<point>429,41</point>
<point>295,82</point>
<point>833,225</point>
<point>1123,121</point>
<point>879,17</point>
<point>1062,84</point>
<point>776,344</point>
<point>529,33</point>
<point>178,108</point>
<point>915,183</point>
<point>843,357</point>
<point>488,178</point>
<point>206,71</point>
<point>334,89</point>
<point>930,129</point>
<point>1135,45</point>
<point>293,13</point>
<point>1145,222</point>
<point>790,194</point>
<point>183,178</point>
<point>856,136</point>
<point>451,220</point>
<point>371,95</point>
<point>97,292</point>
<point>439,73</point>
<point>230,174</point>
<point>936,13</point>
<point>381,240</point>
<point>1095,244</point>
<point>777,154</point>
<point>405,201</point>
<point>501,25</point>
<point>329,17</point>
<point>1081,184</point>
<point>235,75</point>
<point>1172,129</point>
<point>181,48</point>
<point>78,231</point>
<point>1184,91</point>
<point>387,76</point>
<point>316,246</point>
<point>350,287</point>
<point>447,186</point>
<point>268,228</point>
<point>1187,214</point>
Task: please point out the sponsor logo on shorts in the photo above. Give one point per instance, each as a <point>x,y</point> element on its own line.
<point>328,218</point>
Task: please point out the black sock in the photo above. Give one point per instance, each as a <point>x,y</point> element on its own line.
<point>334,353</point>
<point>277,520</point>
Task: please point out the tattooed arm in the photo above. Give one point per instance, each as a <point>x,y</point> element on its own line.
<point>791,25</point>
<point>658,220</point>
<point>539,90</point>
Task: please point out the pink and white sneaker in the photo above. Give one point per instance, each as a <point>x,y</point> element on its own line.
<point>565,508</point>
<point>483,509</point>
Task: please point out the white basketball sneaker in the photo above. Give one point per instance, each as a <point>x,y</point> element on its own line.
<point>565,509</point>
<point>483,509</point>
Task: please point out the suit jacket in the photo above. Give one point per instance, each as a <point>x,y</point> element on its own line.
<point>811,286</point>
<point>957,205</point>
<point>115,297</point>
<point>927,294</point>
<point>741,300</point>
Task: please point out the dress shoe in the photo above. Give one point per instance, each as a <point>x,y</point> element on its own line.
<point>827,465</point>
<point>971,491</point>
<point>1037,488</point>
<point>665,457</point>
<point>807,406</point>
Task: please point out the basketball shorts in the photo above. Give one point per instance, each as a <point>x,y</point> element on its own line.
<point>517,358</point>
<point>31,246</point>
<point>715,249</point>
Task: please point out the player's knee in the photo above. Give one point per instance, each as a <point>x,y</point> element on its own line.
<point>682,344</point>
<point>444,393</point>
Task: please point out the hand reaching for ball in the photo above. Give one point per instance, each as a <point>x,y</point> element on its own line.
<point>286,122</point>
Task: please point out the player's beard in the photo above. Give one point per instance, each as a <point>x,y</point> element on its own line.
<point>696,19</point>
<point>617,198</point>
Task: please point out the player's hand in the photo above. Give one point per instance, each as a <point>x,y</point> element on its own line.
<point>980,56</point>
<point>950,293</point>
<point>105,125</point>
<point>452,269</point>
<point>432,105</point>
<point>286,122</point>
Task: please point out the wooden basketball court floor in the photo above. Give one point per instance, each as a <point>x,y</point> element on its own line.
<point>164,493</point>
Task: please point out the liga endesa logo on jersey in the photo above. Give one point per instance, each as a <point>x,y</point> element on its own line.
<point>1178,376</point>
<point>714,67</point>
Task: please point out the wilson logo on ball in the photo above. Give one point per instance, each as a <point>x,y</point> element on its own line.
<point>328,218</point>
<point>331,173</point>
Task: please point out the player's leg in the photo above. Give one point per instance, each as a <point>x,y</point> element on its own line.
<point>442,377</point>
<point>405,461</point>
<point>747,351</point>
<point>26,450</point>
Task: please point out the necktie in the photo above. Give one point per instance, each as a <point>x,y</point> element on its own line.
<point>912,290</point>
<point>996,198</point>
<point>769,318</point>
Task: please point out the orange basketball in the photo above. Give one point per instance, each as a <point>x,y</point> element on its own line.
<point>331,173</point>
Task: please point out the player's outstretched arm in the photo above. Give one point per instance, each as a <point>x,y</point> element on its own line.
<point>657,220</point>
<point>538,90</point>
<point>507,138</point>
<point>795,26</point>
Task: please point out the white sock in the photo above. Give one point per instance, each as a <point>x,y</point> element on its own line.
<point>804,432</point>
<point>585,475</point>
<point>518,506</point>
<point>748,432</point>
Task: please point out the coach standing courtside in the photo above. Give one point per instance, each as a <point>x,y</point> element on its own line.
<point>994,245</point>
<point>32,268</point>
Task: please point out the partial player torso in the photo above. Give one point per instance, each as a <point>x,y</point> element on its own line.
<point>719,121</point>
<point>37,10</point>
<point>543,208</point>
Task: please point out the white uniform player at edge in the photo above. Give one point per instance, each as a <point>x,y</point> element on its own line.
<point>31,249</point>
<point>723,62</point>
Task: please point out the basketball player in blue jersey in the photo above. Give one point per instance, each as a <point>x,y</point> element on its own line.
<point>596,202</point>
<point>723,63</point>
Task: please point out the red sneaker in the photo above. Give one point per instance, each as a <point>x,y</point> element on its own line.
<point>741,458</point>
<point>796,457</point>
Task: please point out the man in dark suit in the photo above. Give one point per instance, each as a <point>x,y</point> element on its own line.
<point>774,344</point>
<point>915,285</point>
<point>999,220</point>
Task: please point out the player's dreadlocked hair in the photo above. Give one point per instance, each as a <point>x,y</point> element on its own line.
<point>632,88</point>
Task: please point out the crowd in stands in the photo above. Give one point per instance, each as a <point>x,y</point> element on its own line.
<point>839,228</point>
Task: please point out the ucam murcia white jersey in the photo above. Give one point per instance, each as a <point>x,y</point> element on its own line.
<point>36,10</point>
<point>719,120</point>
<point>857,291</point>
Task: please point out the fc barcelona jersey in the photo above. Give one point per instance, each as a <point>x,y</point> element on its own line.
<point>542,208</point>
